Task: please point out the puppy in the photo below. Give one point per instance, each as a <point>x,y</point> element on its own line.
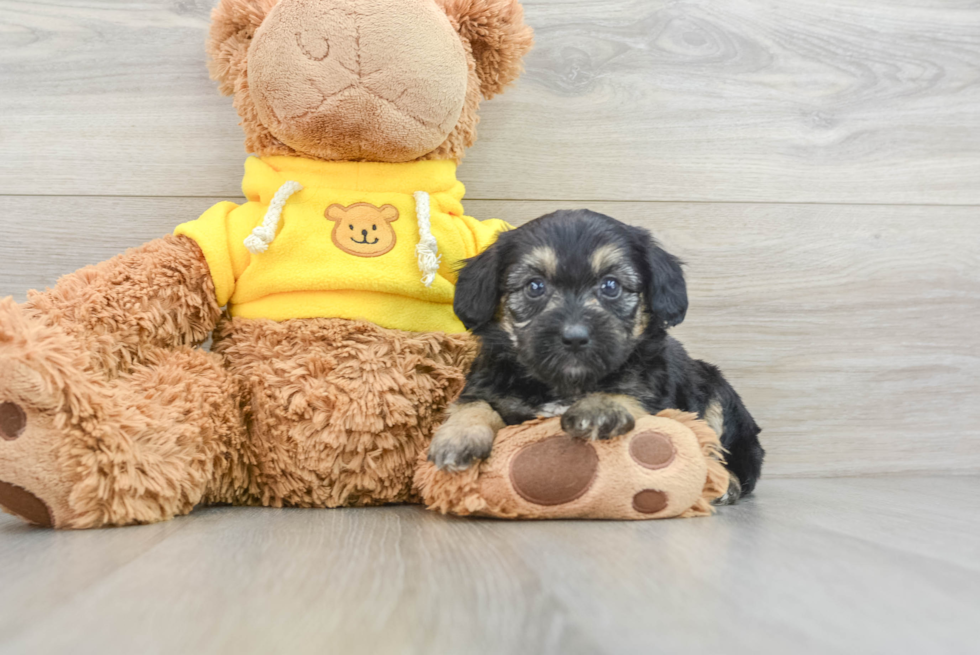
<point>572,310</point>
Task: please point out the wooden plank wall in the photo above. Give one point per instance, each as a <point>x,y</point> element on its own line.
<point>815,162</point>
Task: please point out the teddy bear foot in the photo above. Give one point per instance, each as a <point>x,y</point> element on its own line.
<point>36,364</point>
<point>15,498</point>
<point>667,466</point>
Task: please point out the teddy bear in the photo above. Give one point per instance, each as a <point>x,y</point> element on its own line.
<point>327,293</point>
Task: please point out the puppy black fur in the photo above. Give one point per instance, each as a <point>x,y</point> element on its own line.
<point>572,310</point>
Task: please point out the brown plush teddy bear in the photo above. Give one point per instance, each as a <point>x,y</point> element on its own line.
<point>338,349</point>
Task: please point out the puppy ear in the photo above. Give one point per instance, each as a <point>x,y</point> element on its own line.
<point>233,23</point>
<point>478,288</point>
<point>666,289</point>
<point>498,38</point>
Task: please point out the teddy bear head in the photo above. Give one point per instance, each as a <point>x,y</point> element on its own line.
<point>364,80</point>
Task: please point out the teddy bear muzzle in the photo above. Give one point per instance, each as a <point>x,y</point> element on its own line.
<point>336,78</point>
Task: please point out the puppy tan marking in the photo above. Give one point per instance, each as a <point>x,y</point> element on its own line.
<point>466,436</point>
<point>605,257</point>
<point>642,320</point>
<point>714,416</point>
<point>601,416</point>
<point>506,320</point>
<point>545,259</point>
<point>550,410</point>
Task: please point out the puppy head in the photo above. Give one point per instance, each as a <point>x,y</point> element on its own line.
<point>573,293</point>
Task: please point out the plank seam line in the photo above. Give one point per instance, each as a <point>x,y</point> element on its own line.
<point>552,200</point>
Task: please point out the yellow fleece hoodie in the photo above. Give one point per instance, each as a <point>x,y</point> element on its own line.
<point>357,240</point>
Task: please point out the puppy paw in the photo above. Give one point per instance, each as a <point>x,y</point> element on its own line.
<point>458,447</point>
<point>733,494</point>
<point>597,417</point>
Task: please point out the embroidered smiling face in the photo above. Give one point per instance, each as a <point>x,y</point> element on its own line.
<point>363,229</point>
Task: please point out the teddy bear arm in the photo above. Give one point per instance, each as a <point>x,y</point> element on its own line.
<point>158,295</point>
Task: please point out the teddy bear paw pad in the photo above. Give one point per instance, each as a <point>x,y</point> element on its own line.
<point>652,450</point>
<point>21,502</point>
<point>650,501</point>
<point>555,471</point>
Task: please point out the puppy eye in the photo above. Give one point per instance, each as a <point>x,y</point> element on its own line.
<point>374,227</point>
<point>535,288</point>
<point>351,226</point>
<point>610,288</point>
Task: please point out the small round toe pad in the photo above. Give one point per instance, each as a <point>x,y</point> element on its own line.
<point>554,471</point>
<point>649,501</point>
<point>652,450</point>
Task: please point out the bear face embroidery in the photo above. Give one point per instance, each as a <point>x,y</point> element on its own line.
<point>362,229</point>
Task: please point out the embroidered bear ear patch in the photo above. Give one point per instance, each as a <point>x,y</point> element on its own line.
<point>363,229</point>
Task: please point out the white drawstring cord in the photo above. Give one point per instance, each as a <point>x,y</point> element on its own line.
<point>260,238</point>
<point>427,249</point>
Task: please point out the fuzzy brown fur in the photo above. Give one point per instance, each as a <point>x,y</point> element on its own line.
<point>159,295</point>
<point>339,411</point>
<point>142,447</point>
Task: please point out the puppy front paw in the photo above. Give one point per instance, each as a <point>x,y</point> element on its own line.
<point>597,417</point>
<point>458,447</point>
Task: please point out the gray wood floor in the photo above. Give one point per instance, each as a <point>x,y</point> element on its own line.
<point>848,565</point>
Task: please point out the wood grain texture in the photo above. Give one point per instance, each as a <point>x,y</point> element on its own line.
<point>750,100</point>
<point>851,332</point>
<point>817,566</point>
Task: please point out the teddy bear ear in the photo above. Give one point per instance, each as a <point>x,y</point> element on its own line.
<point>233,23</point>
<point>389,213</point>
<point>498,36</point>
<point>335,212</point>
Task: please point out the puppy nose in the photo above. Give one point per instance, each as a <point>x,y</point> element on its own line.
<point>364,233</point>
<point>575,336</point>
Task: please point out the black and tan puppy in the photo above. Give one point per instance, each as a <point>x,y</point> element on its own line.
<point>572,310</point>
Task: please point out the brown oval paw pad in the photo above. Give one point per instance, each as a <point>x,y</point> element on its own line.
<point>24,504</point>
<point>649,501</point>
<point>555,471</point>
<point>652,450</point>
<point>13,421</point>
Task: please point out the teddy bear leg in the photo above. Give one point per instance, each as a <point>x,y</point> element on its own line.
<point>341,410</point>
<point>158,295</point>
<point>77,451</point>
